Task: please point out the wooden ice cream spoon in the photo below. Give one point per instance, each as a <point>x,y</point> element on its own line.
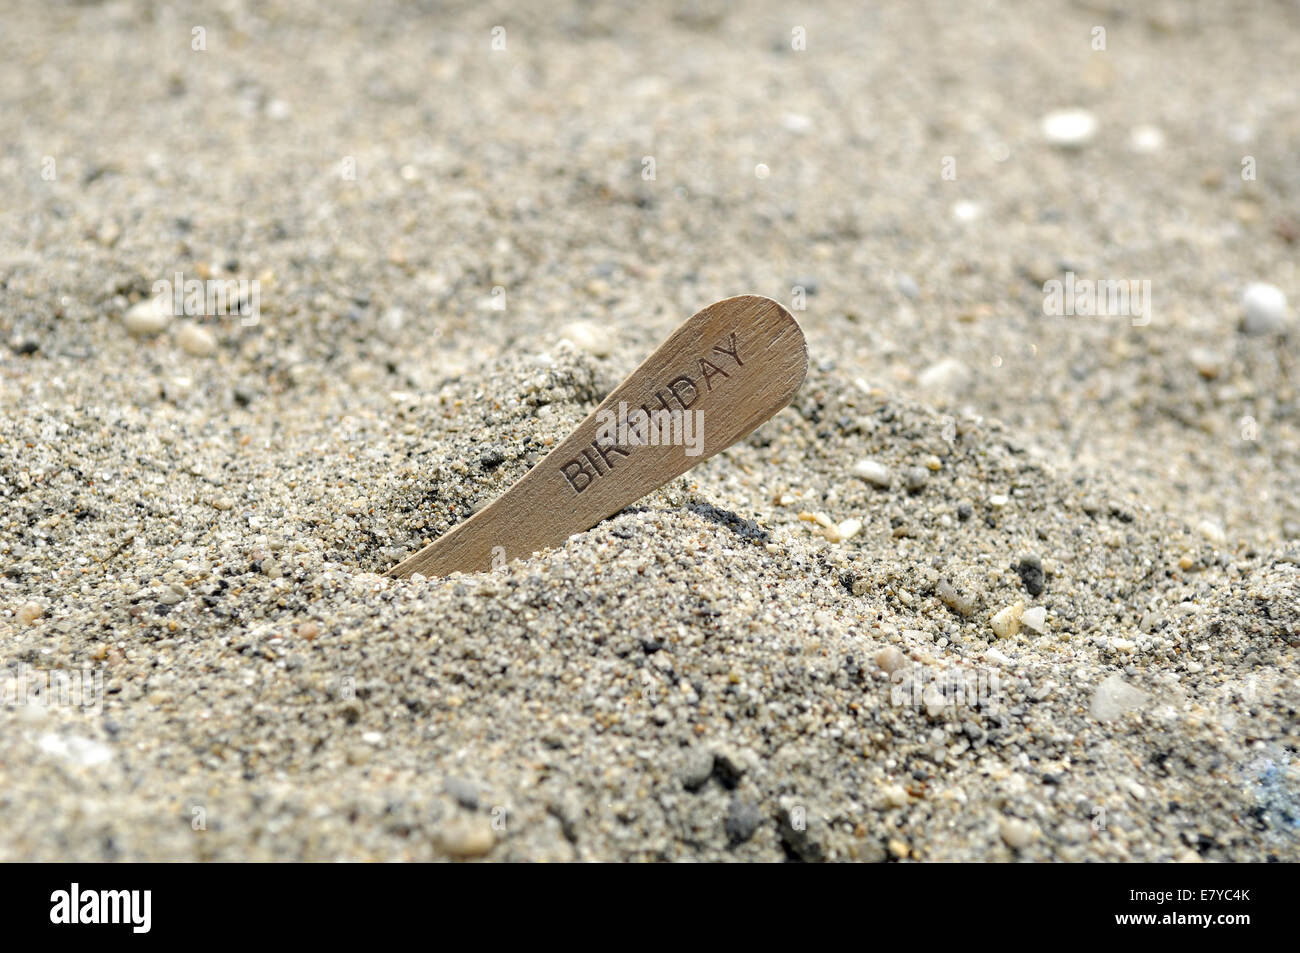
<point>720,375</point>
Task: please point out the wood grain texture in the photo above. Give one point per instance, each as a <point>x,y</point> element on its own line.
<point>737,362</point>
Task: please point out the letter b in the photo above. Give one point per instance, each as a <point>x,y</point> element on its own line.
<point>574,471</point>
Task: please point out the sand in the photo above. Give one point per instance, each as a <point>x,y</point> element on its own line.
<point>1066,628</point>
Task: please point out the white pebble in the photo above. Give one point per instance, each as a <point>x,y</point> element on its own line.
<point>29,612</point>
<point>1069,128</point>
<point>796,122</point>
<point>965,211</point>
<point>85,752</point>
<point>1114,697</point>
<point>471,837</point>
<point>1265,306</point>
<point>590,337</point>
<point>849,528</point>
<point>1035,619</point>
<point>996,657</point>
<point>1209,362</point>
<point>948,376</point>
<point>196,340</point>
<point>873,472</point>
<point>1006,622</point>
<point>1147,140</point>
<point>1212,531</point>
<point>172,594</point>
<point>147,318</point>
<point>896,796</point>
<point>890,659</point>
<point>1017,834</point>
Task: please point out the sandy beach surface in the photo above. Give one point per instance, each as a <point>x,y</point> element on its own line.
<point>1007,581</point>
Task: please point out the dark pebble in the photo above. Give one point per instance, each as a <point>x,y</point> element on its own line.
<point>727,772</point>
<point>741,821</point>
<point>465,792</point>
<point>1030,570</point>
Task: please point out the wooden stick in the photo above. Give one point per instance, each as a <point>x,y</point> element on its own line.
<point>722,373</point>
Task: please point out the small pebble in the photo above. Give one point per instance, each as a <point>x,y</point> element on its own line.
<point>827,528</point>
<point>935,702</point>
<point>1265,308</point>
<point>588,336</point>
<point>1017,834</point>
<point>1213,531</point>
<point>896,796</point>
<point>147,318</point>
<point>196,340</point>
<point>848,529</point>
<point>1006,622</point>
<point>1030,570</point>
<point>742,820</point>
<point>874,472</point>
<point>696,768</point>
<point>1069,128</point>
<point>84,752</point>
<point>465,792</point>
<point>1146,140</point>
<point>468,837</point>
<point>1209,362</point>
<point>171,595</point>
<point>1114,697</point>
<point>1035,619</point>
<point>890,659</point>
<point>961,604</point>
<point>29,612</point>
<point>944,378</point>
<point>796,122</point>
